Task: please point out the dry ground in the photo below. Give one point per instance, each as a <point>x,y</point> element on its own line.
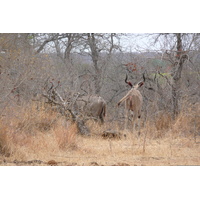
<point>45,138</point>
<point>97,151</point>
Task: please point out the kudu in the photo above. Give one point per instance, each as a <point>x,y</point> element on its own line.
<point>91,106</point>
<point>133,101</point>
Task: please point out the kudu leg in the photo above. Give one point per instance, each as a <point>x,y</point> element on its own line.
<point>133,123</point>
<point>137,122</point>
<point>126,117</point>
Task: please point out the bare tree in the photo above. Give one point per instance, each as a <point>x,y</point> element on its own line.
<point>100,48</point>
<point>181,45</point>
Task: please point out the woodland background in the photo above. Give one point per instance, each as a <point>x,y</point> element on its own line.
<point>94,63</point>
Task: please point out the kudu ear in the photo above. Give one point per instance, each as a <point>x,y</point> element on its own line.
<point>140,84</point>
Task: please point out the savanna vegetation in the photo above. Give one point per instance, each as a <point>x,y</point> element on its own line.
<point>42,75</point>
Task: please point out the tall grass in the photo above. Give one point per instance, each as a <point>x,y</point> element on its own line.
<point>32,133</point>
<point>29,133</point>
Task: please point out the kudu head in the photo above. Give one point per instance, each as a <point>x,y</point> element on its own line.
<point>139,84</point>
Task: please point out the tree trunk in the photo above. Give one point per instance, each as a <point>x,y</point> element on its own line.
<point>178,66</point>
<point>95,57</point>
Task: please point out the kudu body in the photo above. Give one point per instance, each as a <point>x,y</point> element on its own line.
<point>133,102</point>
<point>91,106</point>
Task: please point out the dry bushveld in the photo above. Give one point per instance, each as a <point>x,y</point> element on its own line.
<point>44,137</point>
<point>44,77</point>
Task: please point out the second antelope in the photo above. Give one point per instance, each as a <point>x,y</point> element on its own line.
<point>91,106</point>
<point>133,102</point>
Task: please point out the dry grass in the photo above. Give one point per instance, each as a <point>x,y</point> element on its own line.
<point>4,140</point>
<point>32,137</point>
